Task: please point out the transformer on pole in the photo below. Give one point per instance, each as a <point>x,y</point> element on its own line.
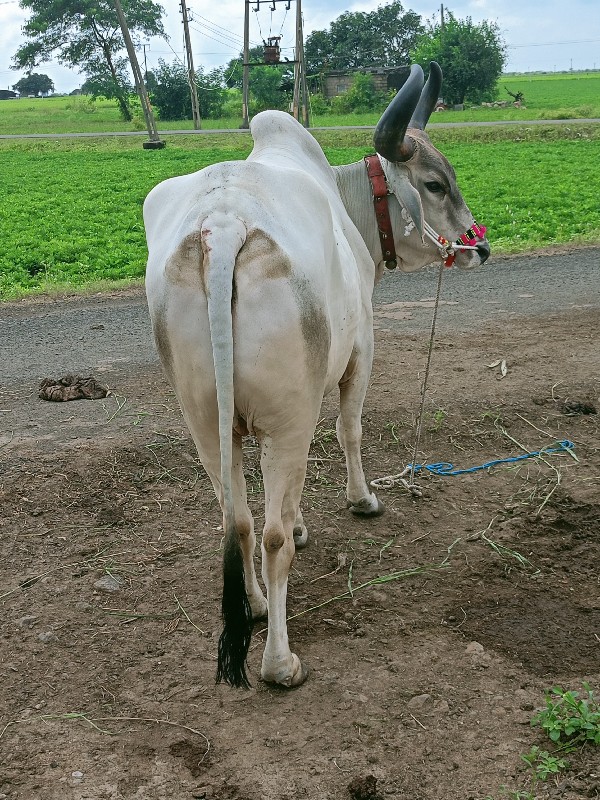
<point>272,57</point>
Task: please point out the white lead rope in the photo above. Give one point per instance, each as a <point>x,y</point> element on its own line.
<point>446,249</point>
<point>447,253</point>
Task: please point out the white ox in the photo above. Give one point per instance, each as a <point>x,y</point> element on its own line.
<point>259,283</point>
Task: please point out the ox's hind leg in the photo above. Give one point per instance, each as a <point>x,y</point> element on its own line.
<point>284,470</point>
<point>211,460</point>
<point>353,388</point>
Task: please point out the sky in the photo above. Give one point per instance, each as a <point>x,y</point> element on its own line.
<point>541,35</point>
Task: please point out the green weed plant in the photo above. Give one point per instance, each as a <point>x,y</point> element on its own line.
<point>570,718</point>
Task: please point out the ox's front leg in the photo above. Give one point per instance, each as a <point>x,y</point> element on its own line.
<point>353,388</point>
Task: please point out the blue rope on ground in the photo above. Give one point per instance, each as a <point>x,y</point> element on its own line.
<point>445,468</point>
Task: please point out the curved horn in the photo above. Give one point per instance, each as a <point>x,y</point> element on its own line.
<point>389,137</point>
<point>429,98</point>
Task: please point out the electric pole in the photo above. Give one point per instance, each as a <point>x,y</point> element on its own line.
<point>155,142</point>
<point>246,68</point>
<point>301,80</point>
<point>443,25</point>
<point>190,65</point>
<point>145,45</point>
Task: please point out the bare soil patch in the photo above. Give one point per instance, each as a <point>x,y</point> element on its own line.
<point>426,679</point>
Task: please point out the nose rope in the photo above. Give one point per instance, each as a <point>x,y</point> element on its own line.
<point>466,241</point>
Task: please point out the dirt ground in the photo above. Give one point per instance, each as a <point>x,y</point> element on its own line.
<point>430,633</point>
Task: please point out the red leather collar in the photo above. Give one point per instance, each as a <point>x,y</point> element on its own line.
<point>382,213</point>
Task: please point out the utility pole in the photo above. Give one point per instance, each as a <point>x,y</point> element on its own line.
<point>246,68</point>
<point>300,100</point>
<point>300,57</point>
<point>145,45</point>
<point>155,142</point>
<point>190,64</point>
<point>443,23</point>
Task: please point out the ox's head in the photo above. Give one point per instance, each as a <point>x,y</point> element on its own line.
<point>423,181</point>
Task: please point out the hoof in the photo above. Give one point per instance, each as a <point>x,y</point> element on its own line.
<point>367,507</point>
<point>300,536</point>
<point>298,675</point>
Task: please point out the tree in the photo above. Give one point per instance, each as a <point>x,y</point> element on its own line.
<point>269,87</point>
<point>86,34</point>
<point>471,57</point>
<point>34,83</point>
<point>170,92</point>
<point>380,38</point>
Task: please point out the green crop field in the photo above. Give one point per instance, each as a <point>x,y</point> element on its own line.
<point>70,210</point>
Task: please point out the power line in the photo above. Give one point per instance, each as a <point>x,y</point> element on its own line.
<point>213,24</point>
<point>552,44</point>
<point>216,38</point>
<point>232,37</point>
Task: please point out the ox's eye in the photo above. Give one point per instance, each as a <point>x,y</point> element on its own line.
<point>435,187</point>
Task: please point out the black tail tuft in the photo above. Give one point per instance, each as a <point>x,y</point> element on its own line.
<point>234,641</point>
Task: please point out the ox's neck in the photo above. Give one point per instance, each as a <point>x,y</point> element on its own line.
<point>355,190</point>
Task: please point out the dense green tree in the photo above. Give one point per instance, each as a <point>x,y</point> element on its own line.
<point>380,38</point>
<point>85,34</point>
<point>269,86</point>
<point>112,82</point>
<point>471,57</point>
<point>170,92</point>
<point>34,83</point>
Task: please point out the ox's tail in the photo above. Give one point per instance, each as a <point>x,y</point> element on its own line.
<point>222,239</point>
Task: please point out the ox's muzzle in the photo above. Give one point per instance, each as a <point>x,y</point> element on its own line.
<point>473,239</point>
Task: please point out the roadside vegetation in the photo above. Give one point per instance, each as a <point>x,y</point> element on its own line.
<point>547,96</point>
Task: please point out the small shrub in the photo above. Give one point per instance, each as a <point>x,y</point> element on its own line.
<point>543,764</point>
<point>318,104</point>
<point>569,719</point>
<point>84,104</point>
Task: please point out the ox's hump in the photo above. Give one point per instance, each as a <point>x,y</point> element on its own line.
<point>280,140</point>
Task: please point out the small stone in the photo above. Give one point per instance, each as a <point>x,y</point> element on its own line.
<point>441,707</point>
<point>46,636</point>
<point>474,647</point>
<point>77,775</point>
<point>109,583</point>
<point>418,701</point>
<point>379,597</point>
<point>27,621</point>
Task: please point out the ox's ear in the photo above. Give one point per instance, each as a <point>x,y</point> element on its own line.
<point>398,180</point>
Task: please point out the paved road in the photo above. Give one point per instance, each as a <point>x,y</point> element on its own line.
<point>238,130</point>
<point>95,334</point>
